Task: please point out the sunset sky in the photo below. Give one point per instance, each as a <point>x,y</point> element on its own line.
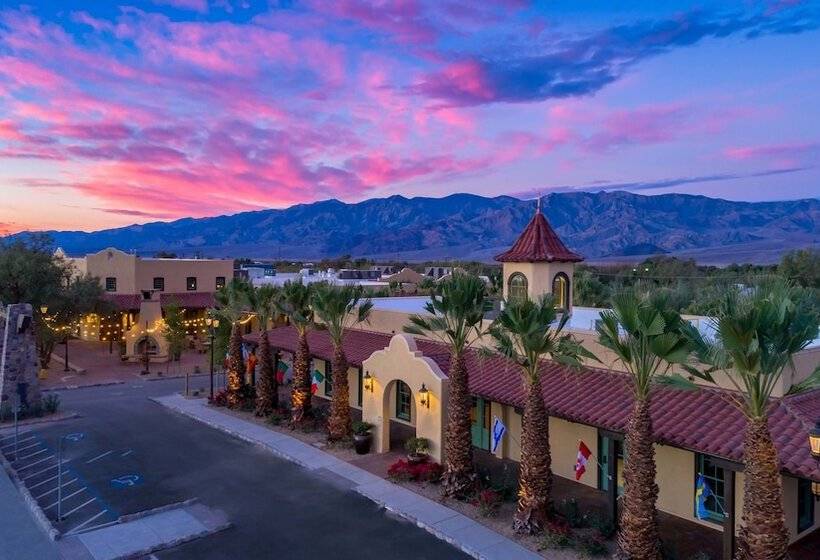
<point>113,113</point>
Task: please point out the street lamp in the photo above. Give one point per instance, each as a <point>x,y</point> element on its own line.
<point>212,324</point>
<point>44,309</point>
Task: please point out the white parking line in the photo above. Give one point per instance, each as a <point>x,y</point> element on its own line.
<point>30,455</point>
<point>127,453</point>
<point>86,522</point>
<point>65,515</point>
<point>42,482</point>
<point>66,497</point>
<point>55,489</point>
<point>11,435</point>
<point>19,449</point>
<point>44,470</point>
<point>98,457</point>
<point>19,441</point>
<point>35,463</point>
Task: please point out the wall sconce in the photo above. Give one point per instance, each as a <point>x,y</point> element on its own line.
<point>425,396</point>
<point>368,381</point>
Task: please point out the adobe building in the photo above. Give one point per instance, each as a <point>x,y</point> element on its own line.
<point>189,284</point>
<point>399,383</point>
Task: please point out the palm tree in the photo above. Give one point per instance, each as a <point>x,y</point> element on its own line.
<point>340,308</point>
<point>525,333</point>
<point>647,337</point>
<point>233,304</point>
<point>757,333</point>
<point>294,302</point>
<point>454,315</point>
<point>267,390</point>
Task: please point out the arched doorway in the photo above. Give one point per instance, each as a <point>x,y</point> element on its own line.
<point>560,291</point>
<point>147,343</point>
<point>400,409</point>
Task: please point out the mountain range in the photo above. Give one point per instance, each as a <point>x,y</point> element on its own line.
<point>602,226</point>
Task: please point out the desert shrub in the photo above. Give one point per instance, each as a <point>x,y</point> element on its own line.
<point>417,445</point>
<point>604,526</point>
<point>35,410</point>
<point>361,428</point>
<point>592,545</point>
<point>488,502</point>
<point>557,534</point>
<point>279,416</point>
<point>421,472</point>
<point>51,403</point>
<point>571,511</point>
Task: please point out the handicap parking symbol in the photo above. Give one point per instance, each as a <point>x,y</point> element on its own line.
<point>126,481</point>
<point>76,436</point>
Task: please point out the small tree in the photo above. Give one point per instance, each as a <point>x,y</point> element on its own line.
<point>340,308</point>
<point>174,331</point>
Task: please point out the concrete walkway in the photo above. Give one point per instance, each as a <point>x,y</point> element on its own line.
<point>21,538</point>
<point>148,532</point>
<point>462,532</point>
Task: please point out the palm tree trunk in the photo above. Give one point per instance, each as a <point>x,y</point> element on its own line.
<point>535,478</point>
<point>763,534</point>
<point>459,479</point>
<point>235,368</point>
<point>638,537</point>
<point>267,398</point>
<point>300,395</point>
<point>339,422</point>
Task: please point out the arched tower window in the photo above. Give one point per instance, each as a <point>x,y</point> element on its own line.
<point>560,291</point>
<point>517,287</point>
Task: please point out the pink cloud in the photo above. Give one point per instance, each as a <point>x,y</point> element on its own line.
<point>785,155</point>
<point>200,6</point>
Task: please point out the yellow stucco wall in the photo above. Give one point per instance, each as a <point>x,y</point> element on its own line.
<point>539,276</point>
<point>402,361</point>
<point>134,273</point>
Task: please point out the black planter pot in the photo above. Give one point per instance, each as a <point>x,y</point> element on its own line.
<point>417,458</point>
<point>362,443</point>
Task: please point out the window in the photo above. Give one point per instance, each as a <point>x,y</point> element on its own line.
<point>805,505</point>
<point>714,478</point>
<point>159,283</point>
<point>560,291</point>
<point>517,287</point>
<point>603,463</point>
<point>190,283</point>
<point>220,282</point>
<point>361,387</point>
<point>480,423</point>
<point>328,379</point>
<point>110,284</point>
<point>404,398</point>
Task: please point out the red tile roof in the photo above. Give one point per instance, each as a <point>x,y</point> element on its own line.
<point>703,421</point>
<point>188,300</point>
<point>538,243</point>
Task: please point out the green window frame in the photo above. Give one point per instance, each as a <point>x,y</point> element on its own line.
<point>328,379</point>
<point>715,478</point>
<point>360,393</point>
<point>404,400</point>
<point>805,505</point>
<point>480,414</point>
<point>602,463</point>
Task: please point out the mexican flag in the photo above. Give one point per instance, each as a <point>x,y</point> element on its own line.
<point>281,370</point>
<point>317,378</point>
<point>581,462</point>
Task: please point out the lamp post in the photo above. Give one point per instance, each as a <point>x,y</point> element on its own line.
<point>65,367</point>
<point>814,444</point>
<point>213,324</point>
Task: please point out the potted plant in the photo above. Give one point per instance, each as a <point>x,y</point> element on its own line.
<point>362,438</point>
<point>417,448</point>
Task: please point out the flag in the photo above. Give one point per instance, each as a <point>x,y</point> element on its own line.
<point>498,432</point>
<point>702,491</point>
<point>281,370</point>
<point>581,462</point>
<point>317,378</point>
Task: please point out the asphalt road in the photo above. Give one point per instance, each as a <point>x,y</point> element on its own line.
<point>278,509</point>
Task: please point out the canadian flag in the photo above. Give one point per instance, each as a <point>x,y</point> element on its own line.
<point>581,461</point>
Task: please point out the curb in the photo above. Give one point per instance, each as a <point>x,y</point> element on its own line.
<point>145,513</point>
<point>43,420</point>
<point>358,488</point>
<point>31,503</point>
<point>71,387</point>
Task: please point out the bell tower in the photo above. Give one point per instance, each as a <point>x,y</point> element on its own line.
<point>539,263</point>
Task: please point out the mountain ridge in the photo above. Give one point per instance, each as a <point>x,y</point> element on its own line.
<point>599,225</point>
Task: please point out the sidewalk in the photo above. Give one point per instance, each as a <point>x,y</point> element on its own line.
<point>21,538</point>
<point>446,524</point>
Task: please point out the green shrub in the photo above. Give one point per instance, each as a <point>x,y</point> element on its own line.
<point>557,534</point>
<point>571,511</point>
<point>51,403</point>
<point>362,428</point>
<point>417,445</point>
<point>5,411</point>
<point>603,524</point>
<point>592,545</point>
<point>35,410</point>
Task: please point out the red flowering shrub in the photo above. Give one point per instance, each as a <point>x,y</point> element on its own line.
<point>488,501</point>
<point>219,399</point>
<point>423,472</point>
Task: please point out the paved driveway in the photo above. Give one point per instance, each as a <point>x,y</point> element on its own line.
<point>279,510</point>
